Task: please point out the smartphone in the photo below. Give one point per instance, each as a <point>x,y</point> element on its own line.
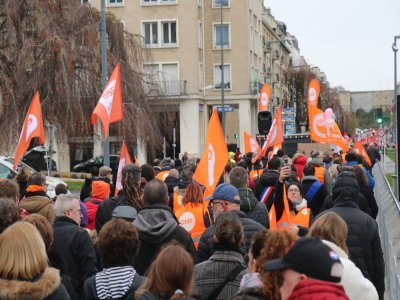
<point>286,161</point>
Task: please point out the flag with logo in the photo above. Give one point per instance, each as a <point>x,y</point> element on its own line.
<point>274,137</point>
<point>359,149</point>
<point>325,130</point>
<point>265,96</point>
<point>109,109</point>
<point>250,143</point>
<point>214,157</point>
<point>32,127</point>
<point>313,92</point>
<point>124,159</point>
<point>274,150</point>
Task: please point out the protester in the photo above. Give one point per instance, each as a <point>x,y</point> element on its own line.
<point>157,226</point>
<point>9,189</point>
<point>373,153</point>
<point>320,172</point>
<point>351,161</point>
<point>226,198</point>
<point>219,277</point>
<point>24,272</point>
<point>299,161</point>
<point>72,242</point>
<point>9,213</point>
<point>167,280</point>
<point>100,191</point>
<point>326,159</point>
<point>60,189</point>
<point>363,239</point>
<point>147,172</point>
<point>172,180</point>
<point>311,270</point>
<point>249,204</point>
<point>106,175</point>
<point>175,200</point>
<point>118,243</point>
<point>36,200</point>
<point>194,215</point>
<point>366,191</point>
<point>86,189</point>
<point>165,166</point>
<point>130,195</point>
<point>313,190</point>
<point>265,186</point>
<point>332,230</point>
<point>22,180</point>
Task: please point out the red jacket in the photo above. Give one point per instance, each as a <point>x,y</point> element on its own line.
<point>92,206</point>
<point>312,289</point>
<point>299,162</point>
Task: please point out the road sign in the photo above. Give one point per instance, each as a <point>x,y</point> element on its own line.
<point>381,132</point>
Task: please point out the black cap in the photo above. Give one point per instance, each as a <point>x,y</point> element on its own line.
<point>311,257</point>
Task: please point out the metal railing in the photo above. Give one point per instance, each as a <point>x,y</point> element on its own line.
<point>170,88</point>
<point>389,230</point>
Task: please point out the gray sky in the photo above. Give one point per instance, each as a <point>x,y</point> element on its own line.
<point>350,40</point>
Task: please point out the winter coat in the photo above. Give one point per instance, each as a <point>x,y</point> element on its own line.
<point>38,203</point>
<point>112,283</point>
<point>319,197</point>
<point>362,204</point>
<point>371,181</point>
<point>253,209</point>
<point>311,289</point>
<point>373,154</point>
<point>157,226</point>
<point>368,194</point>
<point>74,245</point>
<point>327,177</point>
<point>353,281</point>
<point>363,239</point>
<point>299,161</point>
<point>268,178</point>
<point>251,288</point>
<point>171,182</point>
<point>206,245</point>
<point>86,189</point>
<point>47,286</point>
<point>211,273</point>
<point>150,296</point>
<point>92,205</point>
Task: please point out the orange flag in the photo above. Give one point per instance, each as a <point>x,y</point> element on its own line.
<point>313,92</point>
<point>33,127</point>
<point>274,137</point>
<point>109,109</point>
<point>214,158</point>
<point>358,148</point>
<point>250,143</point>
<point>124,159</point>
<point>274,150</point>
<point>265,95</point>
<point>325,130</point>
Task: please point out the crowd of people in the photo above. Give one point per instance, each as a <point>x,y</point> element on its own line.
<point>287,227</point>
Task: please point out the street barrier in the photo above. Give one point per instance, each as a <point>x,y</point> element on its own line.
<point>389,229</point>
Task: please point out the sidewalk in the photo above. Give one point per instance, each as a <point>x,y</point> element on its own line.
<point>388,165</point>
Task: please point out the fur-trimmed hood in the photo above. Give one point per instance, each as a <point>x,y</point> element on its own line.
<point>40,288</point>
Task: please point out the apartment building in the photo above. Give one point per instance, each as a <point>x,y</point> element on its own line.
<point>186,39</point>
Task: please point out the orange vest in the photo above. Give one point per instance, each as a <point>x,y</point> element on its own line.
<point>191,217</point>
<point>254,173</point>
<point>177,202</point>
<point>320,173</point>
<point>162,175</point>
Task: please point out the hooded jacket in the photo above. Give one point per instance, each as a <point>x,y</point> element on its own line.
<point>327,177</point>
<point>268,178</point>
<point>46,286</point>
<point>157,226</point>
<point>299,161</point>
<point>253,209</point>
<point>312,289</point>
<point>363,239</point>
<point>38,203</point>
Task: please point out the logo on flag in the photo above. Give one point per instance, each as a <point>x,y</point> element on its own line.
<point>313,92</point>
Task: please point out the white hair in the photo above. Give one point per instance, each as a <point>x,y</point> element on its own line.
<point>63,203</point>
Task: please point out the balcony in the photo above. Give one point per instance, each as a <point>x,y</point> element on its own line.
<point>171,88</point>
<point>255,87</point>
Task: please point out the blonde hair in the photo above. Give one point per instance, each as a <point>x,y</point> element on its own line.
<point>23,253</point>
<point>331,227</point>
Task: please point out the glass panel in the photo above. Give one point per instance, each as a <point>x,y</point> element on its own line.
<point>154,33</point>
<point>166,33</point>
<point>173,32</point>
<point>224,30</point>
<point>147,34</point>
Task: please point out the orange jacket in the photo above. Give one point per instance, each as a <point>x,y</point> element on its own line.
<point>162,175</point>
<point>177,204</point>
<point>320,173</point>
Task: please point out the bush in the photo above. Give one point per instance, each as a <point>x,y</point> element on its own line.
<point>57,175</point>
<point>74,176</point>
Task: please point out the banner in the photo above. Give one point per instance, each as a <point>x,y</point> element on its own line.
<point>359,149</point>
<point>274,151</point>
<point>274,137</point>
<point>214,157</point>
<point>313,92</point>
<point>324,130</point>
<point>265,96</point>
<point>250,143</point>
<point>109,109</point>
<point>32,127</point>
<point>124,159</point>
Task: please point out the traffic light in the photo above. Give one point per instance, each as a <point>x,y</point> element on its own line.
<point>379,117</point>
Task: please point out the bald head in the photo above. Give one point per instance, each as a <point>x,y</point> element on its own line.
<point>155,192</point>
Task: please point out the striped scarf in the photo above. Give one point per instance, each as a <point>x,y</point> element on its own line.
<point>114,282</point>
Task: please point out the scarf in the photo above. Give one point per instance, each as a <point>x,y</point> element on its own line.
<point>35,188</point>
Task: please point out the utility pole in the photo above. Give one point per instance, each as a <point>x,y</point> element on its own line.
<point>222,73</point>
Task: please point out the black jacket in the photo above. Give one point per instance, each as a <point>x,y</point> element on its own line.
<point>363,239</point>
<point>157,226</point>
<point>253,209</point>
<point>268,178</point>
<point>206,244</point>
<point>316,202</point>
<point>361,202</point>
<point>373,154</point>
<point>73,244</point>
<point>171,182</point>
<point>86,189</point>
<point>368,194</point>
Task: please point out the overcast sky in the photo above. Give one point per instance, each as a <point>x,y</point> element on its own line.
<point>350,40</point>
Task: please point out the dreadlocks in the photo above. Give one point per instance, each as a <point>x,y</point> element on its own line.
<point>131,185</point>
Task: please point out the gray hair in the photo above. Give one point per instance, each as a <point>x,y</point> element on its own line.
<point>63,203</point>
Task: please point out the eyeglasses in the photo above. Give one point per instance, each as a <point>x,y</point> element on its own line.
<point>213,203</point>
<point>293,190</point>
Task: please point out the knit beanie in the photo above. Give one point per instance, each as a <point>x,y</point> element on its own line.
<point>100,189</point>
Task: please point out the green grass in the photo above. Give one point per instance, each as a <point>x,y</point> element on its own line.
<point>389,179</point>
<point>390,153</point>
<point>74,186</point>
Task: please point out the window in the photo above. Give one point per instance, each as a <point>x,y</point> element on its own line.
<point>169,33</point>
<point>201,82</point>
<point>221,31</point>
<point>84,1</point>
<point>150,31</point>
<point>200,39</point>
<point>227,76</point>
<point>155,2</point>
<point>115,3</point>
<point>217,3</point>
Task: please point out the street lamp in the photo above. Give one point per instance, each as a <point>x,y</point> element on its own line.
<point>222,72</point>
<point>397,116</point>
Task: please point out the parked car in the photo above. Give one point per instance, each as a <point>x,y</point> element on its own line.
<point>97,161</point>
<point>38,158</point>
<point>6,171</point>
